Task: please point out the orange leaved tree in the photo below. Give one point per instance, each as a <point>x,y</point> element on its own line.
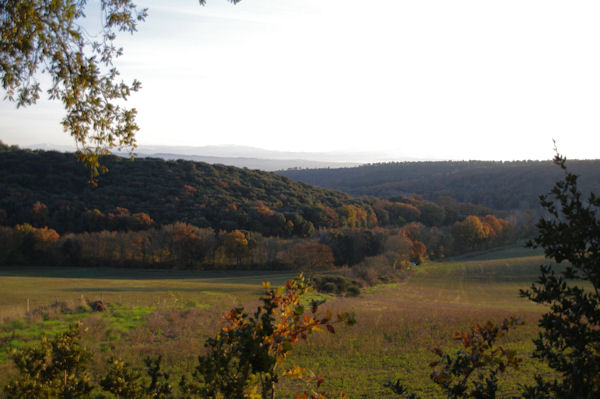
<point>244,360</point>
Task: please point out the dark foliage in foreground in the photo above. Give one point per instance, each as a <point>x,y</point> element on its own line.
<point>569,341</point>
<point>570,337</point>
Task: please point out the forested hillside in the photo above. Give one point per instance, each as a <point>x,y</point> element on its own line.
<point>46,188</point>
<point>498,185</point>
<point>152,212</point>
<point>51,188</point>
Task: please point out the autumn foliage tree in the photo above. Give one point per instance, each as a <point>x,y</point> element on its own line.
<point>418,251</point>
<point>309,257</point>
<point>236,244</point>
<point>30,244</point>
<point>469,234</point>
<point>244,360</point>
<point>477,233</point>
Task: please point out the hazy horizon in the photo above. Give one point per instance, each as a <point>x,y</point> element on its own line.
<point>235,151</point>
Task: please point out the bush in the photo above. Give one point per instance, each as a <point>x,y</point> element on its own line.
<point>243,359</point>
<point>329,287</point>
<point>335,284</point>
<point>55,369</point>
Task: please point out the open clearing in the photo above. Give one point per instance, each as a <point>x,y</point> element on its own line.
<point>172,312</point>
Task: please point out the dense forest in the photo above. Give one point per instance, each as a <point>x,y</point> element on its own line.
<point>184,214</point>
<point>494,184</point>
<point>51,189</point>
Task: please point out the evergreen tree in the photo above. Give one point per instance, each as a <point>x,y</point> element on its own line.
<point>570,338</point>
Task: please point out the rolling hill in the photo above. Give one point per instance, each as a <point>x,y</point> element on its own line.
<point>217,196</point>
<point>498,185</point>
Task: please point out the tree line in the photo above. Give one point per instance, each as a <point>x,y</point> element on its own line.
<point>185,246</point>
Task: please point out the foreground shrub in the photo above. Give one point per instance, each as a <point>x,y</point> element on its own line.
<point>54,369</point>
<point>244,358</point>
<point>353,291</point>
<point>472,371</point>
<point>335,284</point>
<point>122,381</point>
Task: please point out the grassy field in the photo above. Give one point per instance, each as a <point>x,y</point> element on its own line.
<point>172,312</point>
<point>399,325</point>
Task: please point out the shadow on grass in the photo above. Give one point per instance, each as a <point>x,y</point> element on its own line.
<point>215,276</point>
<point>498,253</point>
<point>222,290</point>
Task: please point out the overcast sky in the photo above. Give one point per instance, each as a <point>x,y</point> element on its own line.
<point>437,79</point>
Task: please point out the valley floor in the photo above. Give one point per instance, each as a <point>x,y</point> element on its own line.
<point>172,312</point>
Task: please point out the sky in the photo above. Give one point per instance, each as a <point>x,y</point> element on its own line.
<point>430,79</point>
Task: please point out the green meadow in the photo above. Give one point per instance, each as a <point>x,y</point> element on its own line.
<point>171,313</point>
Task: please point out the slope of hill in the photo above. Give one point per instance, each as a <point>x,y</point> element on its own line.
<point>498,185</point>
<point>51,188</point>
<point>131,217</point>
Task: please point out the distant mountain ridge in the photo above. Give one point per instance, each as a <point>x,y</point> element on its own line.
<point>252,157</point>
<point>267,165</point>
